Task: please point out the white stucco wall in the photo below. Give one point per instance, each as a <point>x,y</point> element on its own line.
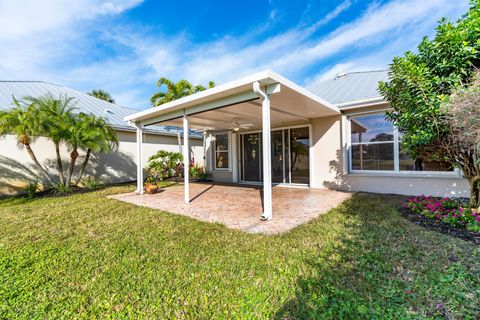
<point>17,169</point>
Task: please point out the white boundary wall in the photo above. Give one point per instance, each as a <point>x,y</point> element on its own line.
<point>17,169</point>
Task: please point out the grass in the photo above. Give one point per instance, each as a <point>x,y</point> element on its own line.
<point>86,256</point>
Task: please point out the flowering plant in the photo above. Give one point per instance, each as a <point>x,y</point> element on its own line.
<point>454,211</point>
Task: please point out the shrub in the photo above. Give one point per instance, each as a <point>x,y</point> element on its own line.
<point>165,164</point>
<point>91,182</point>
<point>31,190</point>
<point>61,189</point>
<point>150,179</point>
<point>197,171</point>
<point>453,211</point>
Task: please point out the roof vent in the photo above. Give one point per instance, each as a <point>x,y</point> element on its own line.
<point>340,75</point>
<point>108,111</point>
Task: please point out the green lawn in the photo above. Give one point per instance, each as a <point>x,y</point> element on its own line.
<point>87,256</point>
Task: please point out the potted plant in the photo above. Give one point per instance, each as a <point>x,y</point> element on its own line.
<point>151,186</point>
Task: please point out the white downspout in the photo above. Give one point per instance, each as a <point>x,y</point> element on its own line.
<point>266,152</point>
<point>205,149</point>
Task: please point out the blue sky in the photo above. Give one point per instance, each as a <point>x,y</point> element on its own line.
<point>124,46</point>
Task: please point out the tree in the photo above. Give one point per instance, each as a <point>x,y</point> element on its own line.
<point>56,120</point>
<point>96,135</point>
<point>175,90</point>
<point>24,121</point>
<point>461,145</point>
<point>56,114</point>
<point>102,95</point>
<point>420,83</point>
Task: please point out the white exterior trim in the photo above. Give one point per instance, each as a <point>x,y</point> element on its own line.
<point>193,101</point>
<point>361,103</point>
<point>229,150</point>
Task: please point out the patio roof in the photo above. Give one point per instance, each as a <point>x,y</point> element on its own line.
<point>259,101</point>
<point>240,105</point>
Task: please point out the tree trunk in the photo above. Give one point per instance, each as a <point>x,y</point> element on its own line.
<point>84,166</point>
<point>71,167</point>
<point>474,191</point>
<point>59,163</point>
<point>34,159</point>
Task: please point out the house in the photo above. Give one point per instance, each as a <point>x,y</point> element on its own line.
<point>264,129</point>
<point>16,167</point>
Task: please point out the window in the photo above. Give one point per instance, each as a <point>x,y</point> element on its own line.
<point>221,151</point>
<point>408,164</point>
<point>372,140</point>
<point>375,145</point>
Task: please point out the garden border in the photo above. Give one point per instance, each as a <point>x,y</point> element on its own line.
<point>440,226</point>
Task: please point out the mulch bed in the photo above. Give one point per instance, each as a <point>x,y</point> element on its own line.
<point>440,226</point>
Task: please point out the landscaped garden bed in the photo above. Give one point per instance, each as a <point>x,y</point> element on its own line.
<point>451,216</point>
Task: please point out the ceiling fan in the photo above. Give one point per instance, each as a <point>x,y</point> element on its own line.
<point>237,126</point>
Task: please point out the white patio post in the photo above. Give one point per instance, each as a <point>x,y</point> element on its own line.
<point>266,153</point>
<point>139,160</point>
<point>186,159</point>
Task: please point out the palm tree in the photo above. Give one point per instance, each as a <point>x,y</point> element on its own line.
<point>175,90</point>
<point>55,117</point>
<point>91,134</point>
<point>102,95</point>
<point>24,121</point>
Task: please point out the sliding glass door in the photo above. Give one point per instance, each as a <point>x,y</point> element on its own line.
<point>290,156</point>
<point>251,157</point>
<point>300,155</point>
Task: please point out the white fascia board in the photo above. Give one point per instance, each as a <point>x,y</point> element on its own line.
<point>292,85</point>
<point>267,76</point>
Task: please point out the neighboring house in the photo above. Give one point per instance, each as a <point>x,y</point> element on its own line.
<point>331,135</point>
<point>16,167</point>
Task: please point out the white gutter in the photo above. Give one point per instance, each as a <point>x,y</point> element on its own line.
<point>360,103</point>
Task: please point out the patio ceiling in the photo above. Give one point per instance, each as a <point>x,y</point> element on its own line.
<point>234,104</point>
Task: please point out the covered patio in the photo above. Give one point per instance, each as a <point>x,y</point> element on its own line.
<point>239,206</point>
<point>259,103</point>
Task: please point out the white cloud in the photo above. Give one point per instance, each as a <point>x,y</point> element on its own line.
<point>294,50</point>
<point>35,36</point>
<point>40,39</point>
<point>29,17</point>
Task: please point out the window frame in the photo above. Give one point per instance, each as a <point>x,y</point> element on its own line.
<point>396,172</point>
<point>228,151</point>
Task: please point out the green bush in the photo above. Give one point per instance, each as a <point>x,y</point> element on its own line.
<point>61,189</point>
<point>165,164</point>
<point>91,182</point>
<point>31,190</point>
<point>197,171</point>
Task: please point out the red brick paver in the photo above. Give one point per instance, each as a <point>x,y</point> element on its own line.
<point>240,207</point>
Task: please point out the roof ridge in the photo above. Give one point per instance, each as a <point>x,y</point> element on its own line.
<point>38,81</point>
<point>367,71</point>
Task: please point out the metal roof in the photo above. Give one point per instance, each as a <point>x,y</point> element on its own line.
<point>113,113</point>
<point>350,87</point>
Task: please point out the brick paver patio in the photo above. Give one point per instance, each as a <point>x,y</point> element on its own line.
<point>240,207</point>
